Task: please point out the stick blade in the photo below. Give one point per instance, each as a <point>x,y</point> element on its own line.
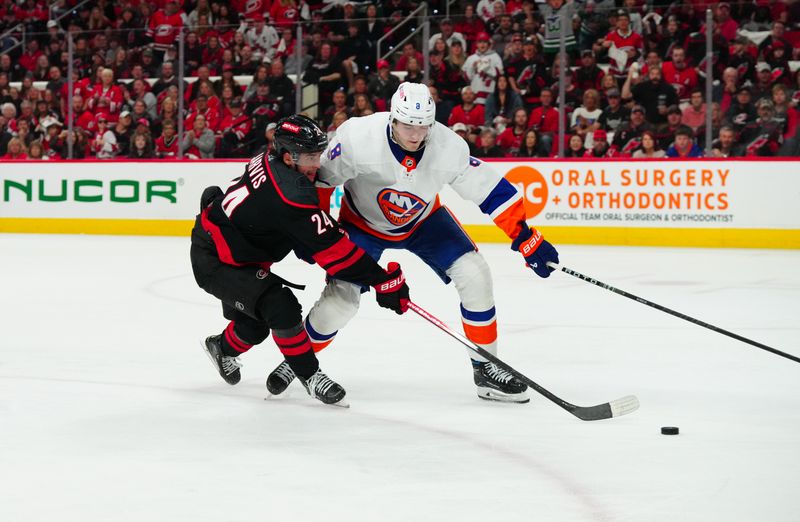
<point>615,408</point>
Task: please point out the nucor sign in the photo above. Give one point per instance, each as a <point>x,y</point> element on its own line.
<point>88,190</point>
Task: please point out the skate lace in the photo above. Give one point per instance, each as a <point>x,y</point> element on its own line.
<point>284,371</point>
<point>230,364</point>
<point>497,373</point>
<point>320,383</point>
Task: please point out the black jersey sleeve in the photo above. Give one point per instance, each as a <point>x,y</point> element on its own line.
<point>316,232</point>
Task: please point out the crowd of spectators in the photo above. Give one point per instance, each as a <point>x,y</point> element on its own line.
<point>634,75</point>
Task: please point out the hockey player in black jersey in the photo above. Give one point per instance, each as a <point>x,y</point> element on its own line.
<point>270,210</point>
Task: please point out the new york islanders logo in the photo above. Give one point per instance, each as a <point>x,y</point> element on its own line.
<point>399,207</point>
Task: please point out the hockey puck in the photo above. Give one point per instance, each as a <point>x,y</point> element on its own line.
<point>669,430</point>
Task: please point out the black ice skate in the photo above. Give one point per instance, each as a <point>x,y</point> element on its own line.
<point>322,387</point>
<point>280,379</point>
<point>227,366</point>
<point>496,384</point>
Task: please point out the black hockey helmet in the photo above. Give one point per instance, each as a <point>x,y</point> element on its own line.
<point>298,134</point>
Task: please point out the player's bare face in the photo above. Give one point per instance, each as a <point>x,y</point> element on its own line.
<point>308,164</point>
<point>410,137</point>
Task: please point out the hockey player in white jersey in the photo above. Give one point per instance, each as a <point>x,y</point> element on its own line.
<point>393,165</point>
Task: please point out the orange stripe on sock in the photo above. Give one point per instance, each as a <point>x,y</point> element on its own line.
<point>486,334</point>
<point>318,347</point>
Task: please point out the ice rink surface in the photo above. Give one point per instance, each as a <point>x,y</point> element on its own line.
<point>110,410</point>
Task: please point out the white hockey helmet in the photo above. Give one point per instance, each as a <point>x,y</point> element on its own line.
<point>412,104</point>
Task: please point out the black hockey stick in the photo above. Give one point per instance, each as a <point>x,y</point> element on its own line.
<point>607,410</point>
<point>671,312</point>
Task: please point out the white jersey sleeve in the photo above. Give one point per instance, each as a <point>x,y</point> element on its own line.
<point>336,167</point>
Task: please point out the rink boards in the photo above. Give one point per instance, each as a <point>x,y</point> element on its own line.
<point>704,203</point>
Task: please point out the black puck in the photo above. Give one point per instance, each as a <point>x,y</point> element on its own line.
<point>669,430</point>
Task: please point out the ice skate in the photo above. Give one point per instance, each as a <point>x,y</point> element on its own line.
<point>227,366</point>
<point>322,387</point>
<point>496,384</point>
<point>280,379</point>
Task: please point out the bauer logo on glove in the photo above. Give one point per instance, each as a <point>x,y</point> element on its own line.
<point>536,250</point>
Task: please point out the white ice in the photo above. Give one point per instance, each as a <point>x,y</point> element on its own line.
<point>110,410</point>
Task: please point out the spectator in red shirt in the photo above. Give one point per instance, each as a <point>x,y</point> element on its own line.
<point>727,25</point>
<point>164,25</point>
<point>31,55</point>
<point>409,51</point>
<point>544,119</point>
<point>16,151</point>
<point>233,131</point>
<point>202,108</point>
<point>626,40</point>
<point>680,74</point>
<point>470,24</point>
<point>284,13</point>
<point>108,91</point>
<point>469,113</point>
<point>510,140</point>
<point>166,145</point>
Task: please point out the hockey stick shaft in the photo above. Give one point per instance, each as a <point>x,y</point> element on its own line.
<point>671,312</point>
<point>601,411</point>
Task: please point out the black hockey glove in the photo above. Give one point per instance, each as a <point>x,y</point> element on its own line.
<point>393,292</point>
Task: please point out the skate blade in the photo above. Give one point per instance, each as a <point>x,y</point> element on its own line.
<point>341,404</point>
<point>489,394</point>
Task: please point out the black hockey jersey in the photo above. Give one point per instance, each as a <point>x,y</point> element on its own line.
<point>269,211</point>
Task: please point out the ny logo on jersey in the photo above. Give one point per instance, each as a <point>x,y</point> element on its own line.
<point>399,207</point>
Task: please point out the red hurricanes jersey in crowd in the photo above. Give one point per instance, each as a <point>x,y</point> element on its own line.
<point>509,141</point>
<point>164,29</point>
<point>212,119</point>
<point>166,148</point>
<point>683,80</point>
<point>473,118</point>
<point>251,9</point>
<point>283,16</point>
<point>114,95</point>
<point>632,40</point>
<point>239,125</point>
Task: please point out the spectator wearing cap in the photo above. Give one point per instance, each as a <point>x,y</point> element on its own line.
<point>653,94</point>
<point>741,112</point>
<point>665,133</point>
<point>501,105</point>
<point>166,145</point>
<point>104,145</point>
<point>469,113</point>
<point>600,147</point>
<point>694,115</point>
<point>510,139</point>
<point>469,25</point>
<point>585,119</point>
<point>684,146</point>
<point>763,83</point>
<point>513,51</point>
<point>615,113</point>
<point>199,141</point>
<point>164,25</point>
<point>764,136</point>
<point>233,131</point>
<point>462,130</point>
<point>448,34</point>
<point>624,39</point>
<point>382,85</point>
<point>123,131</point>
<point>527,75</point>
<point>148,64</point>
<point>682,76</point>
<point>629,135</point>
<point>726,25</point>
<point>649,147</point>
<point>588,75</point>
<point>482,68</point>
<point>558,16</point>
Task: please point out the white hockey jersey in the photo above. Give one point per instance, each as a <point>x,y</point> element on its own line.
<point>389,192</point>
<point>482,71</point>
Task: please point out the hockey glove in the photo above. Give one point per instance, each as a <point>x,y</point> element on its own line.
<point>393,292</point>
<point>536,251</point>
